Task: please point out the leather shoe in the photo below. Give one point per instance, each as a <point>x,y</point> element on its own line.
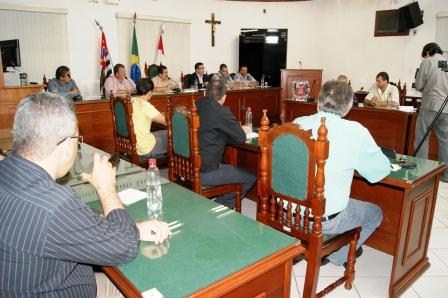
<point>324,261</point>
<point>359,252</point>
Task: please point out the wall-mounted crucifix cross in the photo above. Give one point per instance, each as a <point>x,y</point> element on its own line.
<point>213,23</point>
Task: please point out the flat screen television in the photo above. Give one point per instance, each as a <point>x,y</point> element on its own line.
<point>263,51</point>
<point>10,51</point>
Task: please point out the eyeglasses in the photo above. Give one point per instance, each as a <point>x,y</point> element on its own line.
<point>68,75</point>
<point>80,140</point>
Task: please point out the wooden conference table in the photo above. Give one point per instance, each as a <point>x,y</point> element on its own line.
<point>407,198</point>
<point>213,255</point>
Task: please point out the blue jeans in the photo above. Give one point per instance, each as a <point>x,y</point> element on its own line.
<point>425,117</point>
<point>160,147</point>
<point>368,216</point>
<point>227,174</point>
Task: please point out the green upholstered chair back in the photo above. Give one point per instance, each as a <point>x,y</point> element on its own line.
<point>121,125</point>
<point>291,174</point>
<point>125,139</point>
<point>289,171</point>
<point>183,143</point>
<point>181,134</point>
<point>153,71</point>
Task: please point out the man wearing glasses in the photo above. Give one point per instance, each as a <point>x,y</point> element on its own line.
<point>49,238</point>
<point>63,84</point>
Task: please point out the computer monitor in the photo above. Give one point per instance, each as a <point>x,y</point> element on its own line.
<point>10,51</point>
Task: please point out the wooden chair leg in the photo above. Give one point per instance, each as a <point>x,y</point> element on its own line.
<point>312,272</point>
<point>351,260</point>
<point>238,201</point>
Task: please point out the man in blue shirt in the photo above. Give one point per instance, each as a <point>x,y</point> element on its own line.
<point>63,84</point>
<point>351,148</point>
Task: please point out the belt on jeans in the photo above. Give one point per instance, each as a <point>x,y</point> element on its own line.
<point>326,218</point>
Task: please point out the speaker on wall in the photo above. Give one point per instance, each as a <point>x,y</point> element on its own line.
<point>410,16</point>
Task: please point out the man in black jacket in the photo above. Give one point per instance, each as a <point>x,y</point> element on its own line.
<point>219,128</point>
<point>198,77</point>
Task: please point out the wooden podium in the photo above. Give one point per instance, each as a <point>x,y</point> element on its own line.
<point>313,76</point>
<point>10,96</point>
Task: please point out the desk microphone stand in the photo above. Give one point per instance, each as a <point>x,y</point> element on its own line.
<point>431,126</point>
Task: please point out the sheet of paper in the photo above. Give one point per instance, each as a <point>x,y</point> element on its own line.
<point>394,167</point>
<point>406,108</point>
<point>131,195</point>
<point>251,135</point>
<point>152,293</point>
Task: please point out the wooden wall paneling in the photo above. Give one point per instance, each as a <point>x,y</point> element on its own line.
<point>95,123</point>
<point>95,117</point>
<point>389,128</point>
<point>9,99</point>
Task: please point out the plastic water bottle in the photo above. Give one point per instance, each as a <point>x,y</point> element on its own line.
<point>196,84</point>
<point>389,99</point>
<point>262,81</point>
<point>154,198</point>
<point>249,117</point>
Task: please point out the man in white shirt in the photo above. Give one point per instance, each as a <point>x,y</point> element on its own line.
<point>243,77</point>
<point>162,82</point>
<point>382,92</point>
<point>119,82</point>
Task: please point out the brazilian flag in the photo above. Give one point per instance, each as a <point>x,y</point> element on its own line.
<point>135,60</point>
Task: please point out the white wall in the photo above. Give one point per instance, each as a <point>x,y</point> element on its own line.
<point>335,35</point>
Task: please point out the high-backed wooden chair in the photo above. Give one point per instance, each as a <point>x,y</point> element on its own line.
<point>151,70</point>
<point>401,92</point>
<point>184,80</point>
<point>125,139</point>
<point>291,196</point>
<point>183,150</point>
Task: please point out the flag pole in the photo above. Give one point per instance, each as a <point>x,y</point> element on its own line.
<point>99,25</point>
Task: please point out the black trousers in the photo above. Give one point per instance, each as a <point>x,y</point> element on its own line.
<point>227,174</point>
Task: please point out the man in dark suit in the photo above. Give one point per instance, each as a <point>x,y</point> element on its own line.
<point>198,78</point>
<point>219,128</point>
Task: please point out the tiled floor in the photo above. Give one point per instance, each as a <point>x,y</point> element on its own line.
<point>373,267</point>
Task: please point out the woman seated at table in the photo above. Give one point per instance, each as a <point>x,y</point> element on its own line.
<point>382,92</point>
<point>149,144</point>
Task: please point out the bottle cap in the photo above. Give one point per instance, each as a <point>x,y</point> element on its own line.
<point>152,162</point>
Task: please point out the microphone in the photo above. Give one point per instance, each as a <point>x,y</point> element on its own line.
<point>133,91</point>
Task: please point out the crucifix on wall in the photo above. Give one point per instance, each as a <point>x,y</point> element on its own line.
<point>213,23</point>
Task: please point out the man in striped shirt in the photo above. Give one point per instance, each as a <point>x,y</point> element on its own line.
<point>49,239</point>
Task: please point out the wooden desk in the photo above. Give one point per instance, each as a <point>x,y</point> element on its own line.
<point>6,139</point>
<point>10,96</point>
<point>95,116</point>
<point>389,127</point>
<point>407,199</point>
<point>214,255</point>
